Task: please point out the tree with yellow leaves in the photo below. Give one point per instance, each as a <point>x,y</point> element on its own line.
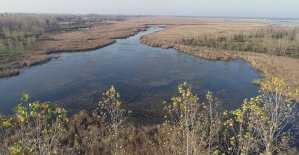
<point>38,128</point>
<point>267,123</point>
<point>196,125</point>
<point>110,108</point>
<point>5,125</point>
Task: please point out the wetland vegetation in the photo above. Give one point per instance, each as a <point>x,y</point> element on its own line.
<point>153,113</point>
<point>144,75</point>
<point>281,41</point>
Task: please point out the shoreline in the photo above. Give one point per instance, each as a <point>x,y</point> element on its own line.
<point>81,50</point>
<point>16,71</point>
<point>269,65</point>
<point>105,34</point>
<point>41,51</point>
<point>100,35</point>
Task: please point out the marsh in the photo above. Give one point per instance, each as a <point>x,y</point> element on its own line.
<point>145,76</point>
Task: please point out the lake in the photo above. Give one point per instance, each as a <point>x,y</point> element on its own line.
<point>145,77</point>
<point>285,24</point>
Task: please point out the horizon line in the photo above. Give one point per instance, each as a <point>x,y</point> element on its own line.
<point>191,16</point>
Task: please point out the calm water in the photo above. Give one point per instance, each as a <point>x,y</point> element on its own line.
<point>286,24</point>
<point>144,76</point>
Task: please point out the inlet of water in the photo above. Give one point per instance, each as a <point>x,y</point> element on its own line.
<point>144,76</point>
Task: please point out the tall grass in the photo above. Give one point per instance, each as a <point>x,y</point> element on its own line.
<point>281,41</point>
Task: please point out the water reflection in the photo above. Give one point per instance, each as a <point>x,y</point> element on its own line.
<point>144,76</point>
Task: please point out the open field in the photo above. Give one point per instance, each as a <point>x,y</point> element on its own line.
<point>270,65</point>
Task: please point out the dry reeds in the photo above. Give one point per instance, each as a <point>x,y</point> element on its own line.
<point>271,40</point>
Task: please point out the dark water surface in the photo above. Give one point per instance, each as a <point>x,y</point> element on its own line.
<point>144,76</point>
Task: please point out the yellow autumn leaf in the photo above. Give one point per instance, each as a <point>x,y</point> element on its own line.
<point>21,118</point>
<point>44,105</point>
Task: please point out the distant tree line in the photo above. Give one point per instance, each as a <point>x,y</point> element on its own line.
<point>19,31</point>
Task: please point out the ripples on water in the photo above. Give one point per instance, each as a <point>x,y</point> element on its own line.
<point>144,76</point>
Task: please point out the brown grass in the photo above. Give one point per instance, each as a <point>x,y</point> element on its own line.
<point>89,135</point>
<point>98,36</point>
<point>11,68</point>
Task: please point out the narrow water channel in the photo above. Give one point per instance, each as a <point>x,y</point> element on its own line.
<point>144,76</point>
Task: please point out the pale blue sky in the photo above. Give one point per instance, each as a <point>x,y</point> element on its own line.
<point>238,8</point>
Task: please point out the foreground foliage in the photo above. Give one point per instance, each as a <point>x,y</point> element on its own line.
<point>266,124</point>
<point>35,129</point>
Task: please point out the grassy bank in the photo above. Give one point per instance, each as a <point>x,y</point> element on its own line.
<point>268,63</point>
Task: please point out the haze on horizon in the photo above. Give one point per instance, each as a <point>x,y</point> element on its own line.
<point>235,8</point>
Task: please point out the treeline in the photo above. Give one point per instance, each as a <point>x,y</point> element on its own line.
<point>19,25</point>
<point>19,31</point>
<point>266,124</point>
<point>283,41</point>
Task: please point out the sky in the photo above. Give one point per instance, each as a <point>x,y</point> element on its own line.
<point>235,8</point>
